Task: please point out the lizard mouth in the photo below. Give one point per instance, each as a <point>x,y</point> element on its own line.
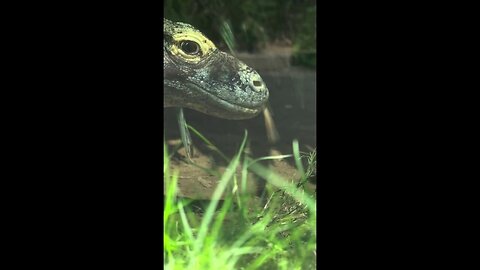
<point>229,109</point>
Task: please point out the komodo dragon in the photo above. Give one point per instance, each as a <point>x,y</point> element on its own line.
<point>199,76</point>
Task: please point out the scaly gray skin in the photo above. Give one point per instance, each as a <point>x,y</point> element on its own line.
<point>199,76</point>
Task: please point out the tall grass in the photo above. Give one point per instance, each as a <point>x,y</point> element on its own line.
<point>242,231</point>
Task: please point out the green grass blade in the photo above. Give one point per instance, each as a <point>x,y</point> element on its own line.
<point>209,213</point>
<point>209,143</point>
<point>298,158</point>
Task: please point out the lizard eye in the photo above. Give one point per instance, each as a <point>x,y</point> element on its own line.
<point>190,47</point>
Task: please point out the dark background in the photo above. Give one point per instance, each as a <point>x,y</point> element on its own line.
<point>251,25</point>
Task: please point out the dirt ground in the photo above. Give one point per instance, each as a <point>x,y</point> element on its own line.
<point>292,103</point>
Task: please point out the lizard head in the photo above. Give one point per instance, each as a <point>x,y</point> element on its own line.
<point>199,76</point>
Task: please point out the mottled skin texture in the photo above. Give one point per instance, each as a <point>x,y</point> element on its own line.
<point>199,76</point>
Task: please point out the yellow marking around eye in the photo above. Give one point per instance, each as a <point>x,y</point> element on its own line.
<point>206,46</point>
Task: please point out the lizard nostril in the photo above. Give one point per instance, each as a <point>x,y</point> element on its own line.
<point>257,83</point>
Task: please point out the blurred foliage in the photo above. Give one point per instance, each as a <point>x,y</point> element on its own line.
<point>304,47</point>
<point>253,23</point>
